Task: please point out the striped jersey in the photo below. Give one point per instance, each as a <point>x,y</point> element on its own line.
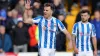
<point>47,31</point>
<point>83,33</point>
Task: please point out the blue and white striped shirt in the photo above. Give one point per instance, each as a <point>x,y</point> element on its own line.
<point>47,36</point>
<point>83,33</point>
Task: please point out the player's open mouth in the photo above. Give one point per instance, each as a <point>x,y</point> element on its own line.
<point>45,14</point>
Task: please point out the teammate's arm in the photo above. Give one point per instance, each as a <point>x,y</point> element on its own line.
<point>74,33</point>
<point>94,40</point>
<point>94,45</point>
<point>64,30</point>
<point>74,44</point>
<point>73,41</point>
<point>68,36</point>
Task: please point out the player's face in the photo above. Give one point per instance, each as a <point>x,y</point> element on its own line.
<point>85,17</point>
<point>47,12</point>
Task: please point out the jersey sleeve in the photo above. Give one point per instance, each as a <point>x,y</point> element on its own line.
<point>74,30</point>
<point>60,25</point>
<point>37,19</point>
<point>93,31</point>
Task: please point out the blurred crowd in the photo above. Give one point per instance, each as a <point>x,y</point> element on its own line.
<point>16,35</point>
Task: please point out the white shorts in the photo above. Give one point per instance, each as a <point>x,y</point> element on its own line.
<point>46,52</point>
<point>88,53</point>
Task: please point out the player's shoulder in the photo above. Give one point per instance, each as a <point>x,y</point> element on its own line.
<point>38,17</point>
<point>77,23</point>
<point>90,24</point>
<point>54,18</point>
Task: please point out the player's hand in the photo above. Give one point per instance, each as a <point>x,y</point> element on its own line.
<point>30,21</point>
<point>76,50</point>
<point>70,45</point>
<point>95,53</point>
<point>27,4</point>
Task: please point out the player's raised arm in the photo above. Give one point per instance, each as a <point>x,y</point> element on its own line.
<point>27,7</point>
<point>25,15</point>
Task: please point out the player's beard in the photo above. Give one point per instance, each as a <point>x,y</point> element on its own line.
<point>85,20</point>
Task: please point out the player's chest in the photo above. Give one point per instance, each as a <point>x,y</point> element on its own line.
<point>49,25</point>
<point>84,31</point>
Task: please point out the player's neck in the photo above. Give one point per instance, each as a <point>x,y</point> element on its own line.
<point>84,22</point>
<point>48,18</point>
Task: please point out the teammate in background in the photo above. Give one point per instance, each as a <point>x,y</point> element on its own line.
<point>48,26</point>
<point>82,32</point>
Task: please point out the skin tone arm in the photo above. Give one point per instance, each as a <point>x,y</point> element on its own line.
<point>73,41</point>
<point>68,36</point>
<point>94,45</point>
<point>25,14</point>
<point>27,7</point>
<point>74,44</point>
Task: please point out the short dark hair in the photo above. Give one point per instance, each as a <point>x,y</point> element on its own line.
<point>85,11</point>
<point>49,5</point>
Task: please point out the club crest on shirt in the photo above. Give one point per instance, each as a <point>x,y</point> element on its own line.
<point>44,28</point>
<point>90,29</point>
<point>85,34</point>
<point>55,25</point>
